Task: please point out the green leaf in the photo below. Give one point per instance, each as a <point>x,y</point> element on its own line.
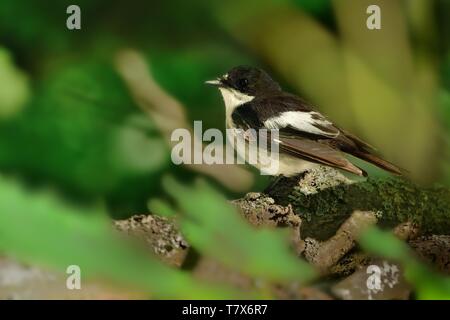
<point>161,207</point>
<point>15,89</point>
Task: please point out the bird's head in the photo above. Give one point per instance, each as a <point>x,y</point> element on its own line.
<point>247,81</point>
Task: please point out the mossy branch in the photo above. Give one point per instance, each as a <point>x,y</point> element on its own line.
<point>394,200</point>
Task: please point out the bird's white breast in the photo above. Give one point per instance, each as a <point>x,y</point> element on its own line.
<point>286,164</point>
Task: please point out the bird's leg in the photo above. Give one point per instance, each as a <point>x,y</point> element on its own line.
<point>282,185</point>
<point>274,181</point>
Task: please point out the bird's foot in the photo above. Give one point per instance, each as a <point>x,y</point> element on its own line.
<point>281,185</point>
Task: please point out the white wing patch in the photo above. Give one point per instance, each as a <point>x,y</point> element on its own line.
<point>311,122</point>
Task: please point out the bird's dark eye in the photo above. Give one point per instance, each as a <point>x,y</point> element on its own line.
<point>242,83</point>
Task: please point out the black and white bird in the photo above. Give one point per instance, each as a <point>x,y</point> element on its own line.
<point>306,138</point>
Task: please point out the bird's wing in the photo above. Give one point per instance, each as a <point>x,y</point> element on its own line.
<point>292,113</point>
<point>317,151</point>
<point>292,142</point>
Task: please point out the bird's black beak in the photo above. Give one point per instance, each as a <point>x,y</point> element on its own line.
<point>216,82</point>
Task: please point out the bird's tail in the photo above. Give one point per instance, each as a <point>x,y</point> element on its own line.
<point>383,164</point>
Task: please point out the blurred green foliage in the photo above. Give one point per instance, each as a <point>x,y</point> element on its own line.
<point>15,90</point>
<point>40,228</point>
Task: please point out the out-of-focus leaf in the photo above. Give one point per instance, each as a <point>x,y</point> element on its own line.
<point>444,103</point>
<point>162,208</point>
<point>445,73</point>
<point>79,132</point>
<point>214,227</point>
<point>39,228</point>
<point>14,88</point>
<point>316,7</point>
<point>429,285</point>
<point>444,111</point>
<point>135,150</point>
